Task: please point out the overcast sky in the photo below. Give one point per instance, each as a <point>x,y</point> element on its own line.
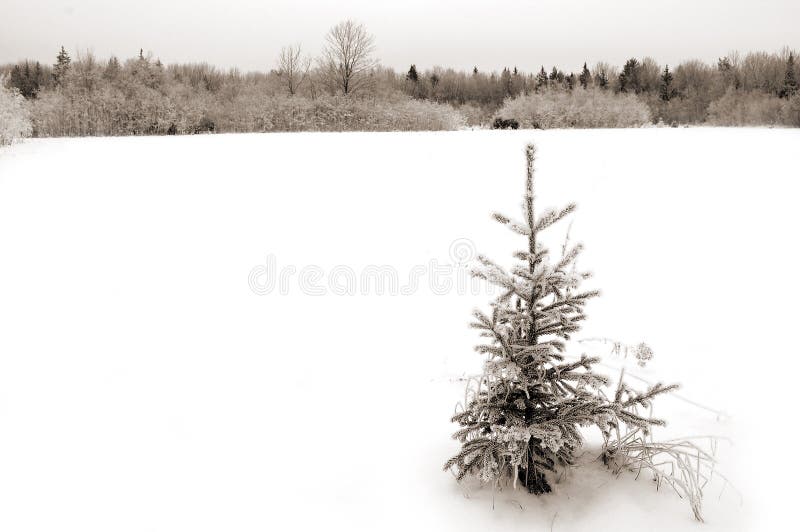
<point>490,34</point>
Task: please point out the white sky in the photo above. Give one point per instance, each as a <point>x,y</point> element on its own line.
<point>460,33</point>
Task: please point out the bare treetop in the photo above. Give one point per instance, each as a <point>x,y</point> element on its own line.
<point>293,67</point>
<point>347,57</point>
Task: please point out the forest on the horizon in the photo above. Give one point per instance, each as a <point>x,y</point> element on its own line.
<point>346,88</point>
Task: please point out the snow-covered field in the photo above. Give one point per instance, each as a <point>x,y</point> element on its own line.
<point>163,367</point>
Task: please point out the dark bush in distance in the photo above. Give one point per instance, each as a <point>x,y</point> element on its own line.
<point>503,123</point>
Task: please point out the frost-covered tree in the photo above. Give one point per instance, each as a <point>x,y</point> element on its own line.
<point>541,79</point>
<point>61,66</point>
<point>14,118</point>
<point>521,422</point>
<point>112,69</point>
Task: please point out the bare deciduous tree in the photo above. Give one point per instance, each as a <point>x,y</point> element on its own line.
<point>347,57</point>
<point>293,67</point>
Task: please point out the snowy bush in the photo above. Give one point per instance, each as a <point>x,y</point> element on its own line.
<point>475,115</point>
<point>748,108</point>
<point>284,113</point>
<point>139,110</point>
<point>578,108</point>
<point>14,118</point>
<point>793,111</point>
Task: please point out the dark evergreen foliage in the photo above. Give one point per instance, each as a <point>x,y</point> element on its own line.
<point>412,75</point>
<point>504,123</point>
<point>62,65</point>
<point>666,91</point>
<point>789,81</point>
<point>629,78</point>
<point>541,79</point>
<point>602,79</point>
<point>585,76</point>
<point>28,81</point>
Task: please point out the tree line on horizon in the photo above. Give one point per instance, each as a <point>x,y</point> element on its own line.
<point>346,88</point>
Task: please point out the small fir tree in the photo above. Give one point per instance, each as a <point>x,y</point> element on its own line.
<point>541,79</point>
<point>38,76</point>
<point>585,77</point>
<point>62,66</point>
<point>570,81</point>
<point>602,80</point>
<point>507,82</point>
<point>789,81</point>
<point>522,421</point>
<point>629,78</point>
<point>112,70</point>
<point>665,90</point>
<point>17,80</point>
<point>412,75</point>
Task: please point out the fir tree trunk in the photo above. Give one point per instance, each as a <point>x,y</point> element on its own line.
<point>530,153</point>
<point>532,476</point>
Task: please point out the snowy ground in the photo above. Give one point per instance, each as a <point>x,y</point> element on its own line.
<point>146,385</point>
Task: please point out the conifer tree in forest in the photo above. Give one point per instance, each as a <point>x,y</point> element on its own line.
<point>789,81</point>
<point>541,79</point>
<point>520,423</point>
<point>62,65</point>
<point>412,75</point>
<point>38,76</point>
<point>507,82</point>
<point>112,70</point>
<point>585,76</point>
<point>570,81</point>
<point>665,91</point>
<point>602,79</point>
<point>17,79</point>
<point>629,78</point>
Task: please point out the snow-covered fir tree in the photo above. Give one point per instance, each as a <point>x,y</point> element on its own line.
<point>521,422</point>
